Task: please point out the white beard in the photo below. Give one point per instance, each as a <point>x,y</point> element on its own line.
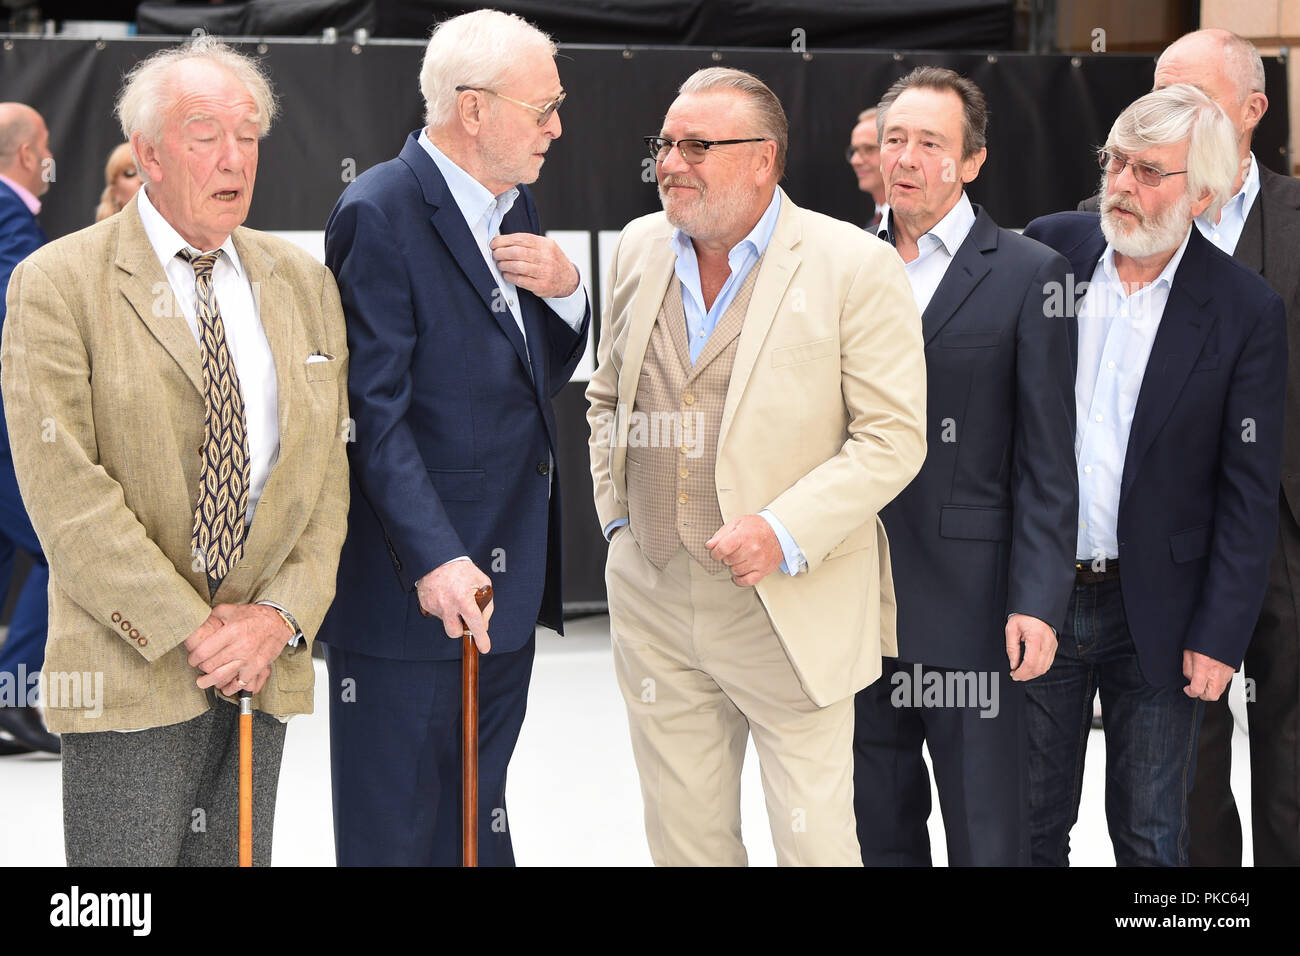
<point>1146,237</point>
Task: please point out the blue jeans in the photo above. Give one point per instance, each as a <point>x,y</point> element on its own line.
<point>1150,740</point>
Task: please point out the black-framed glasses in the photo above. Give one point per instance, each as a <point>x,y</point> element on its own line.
<point>1144,173</point>
<point>866,151</point>
<point>692,150</point>
<point>543,112</point>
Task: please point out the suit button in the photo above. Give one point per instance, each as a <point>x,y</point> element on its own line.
<point>543,468</point>
<point>688,398</point>
<point>126,625</point>
<point>116,617</point>
<point>135,634</point>
<point>682,499</point>
<point>683,474</point>
<point>142,641</point>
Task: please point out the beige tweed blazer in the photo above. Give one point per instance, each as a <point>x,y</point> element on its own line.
<point>824,423</point>
<point>102,393</point>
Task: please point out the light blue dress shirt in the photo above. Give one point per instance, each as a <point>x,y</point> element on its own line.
<point>1226,233</point>
<point>1116,333</point>
<point>483,213</point>
<point>700,323</point>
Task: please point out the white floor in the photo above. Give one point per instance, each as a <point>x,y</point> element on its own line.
<point>573,793</point>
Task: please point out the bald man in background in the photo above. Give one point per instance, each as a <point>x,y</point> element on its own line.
<point>26,171</point>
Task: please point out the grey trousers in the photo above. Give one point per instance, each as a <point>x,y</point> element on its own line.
<point>168,796</point>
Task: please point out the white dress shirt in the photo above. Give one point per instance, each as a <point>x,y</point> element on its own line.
<point>1226,233</point>
<point>935,249</point>
<point>245,337</point>
<point>1116,333</point>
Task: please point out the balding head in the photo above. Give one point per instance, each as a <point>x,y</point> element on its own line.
<point>1226,68</point>
<point>24,148</point>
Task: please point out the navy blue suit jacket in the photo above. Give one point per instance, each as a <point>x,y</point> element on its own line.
<point>454,426</point>
<point>20,236</point>
<point>988,525</point>
<point>1199,491</point>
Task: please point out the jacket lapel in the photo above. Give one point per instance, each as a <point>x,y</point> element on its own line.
<point>149,294</point>
<point>1184,326</point>
<point>456,236</point>
<point>776,268</point>
<point>964,273</point>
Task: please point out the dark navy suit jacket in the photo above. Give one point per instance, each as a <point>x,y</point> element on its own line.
<point>455,433</point>
<point>20,236</point>
<point>1199,491</point>
<point>988,525</point>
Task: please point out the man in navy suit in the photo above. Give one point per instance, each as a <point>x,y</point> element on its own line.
<point>26,171</point>
<point>463,321</point>
<point>1179,400</point>
<point>982,539</point>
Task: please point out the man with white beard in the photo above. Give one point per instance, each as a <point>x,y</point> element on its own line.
<point>1179,398</point>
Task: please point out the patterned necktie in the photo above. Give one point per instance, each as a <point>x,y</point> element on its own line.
<point>218,534</point>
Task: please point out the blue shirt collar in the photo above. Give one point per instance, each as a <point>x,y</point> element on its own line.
<point>475,201</point>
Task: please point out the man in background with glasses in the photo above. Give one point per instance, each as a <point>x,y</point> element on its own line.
<point>1179,398</point>
<point>760,396</point>
<point>863,154</point>
<point>463,321</point>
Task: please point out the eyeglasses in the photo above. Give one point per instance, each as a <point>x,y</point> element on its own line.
<point>692,150</point>
<point>1144,173</point>
<point>544,112</point>
<point>866,152</point>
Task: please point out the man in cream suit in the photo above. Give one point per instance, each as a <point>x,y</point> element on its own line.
<point>166,375</point>
<point>760,396</point>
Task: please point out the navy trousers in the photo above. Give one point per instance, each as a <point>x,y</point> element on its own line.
<point>979,752</point>
<point>26,641</point>
<point>396,756</point>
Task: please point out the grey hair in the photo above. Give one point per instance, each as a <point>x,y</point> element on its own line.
<point>476,49</point>
<point>764,104</point>
<point>1168,116</point>
<point>867,114</point>
<point>974,109</point>
<point>147,89</point>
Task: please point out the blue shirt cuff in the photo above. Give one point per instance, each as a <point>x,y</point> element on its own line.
<point>793,555</point>
<point>614,526</point>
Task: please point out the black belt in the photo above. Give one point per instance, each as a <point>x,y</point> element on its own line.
<point>1085,573</point>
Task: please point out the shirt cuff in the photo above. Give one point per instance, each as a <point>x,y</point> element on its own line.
<point>793,555</point>
<point>612,527</point>
<point>572,308</point>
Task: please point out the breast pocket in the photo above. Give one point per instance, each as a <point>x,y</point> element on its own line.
<point>804,352</point>
<point>322,368</point>
<point>969,340</point>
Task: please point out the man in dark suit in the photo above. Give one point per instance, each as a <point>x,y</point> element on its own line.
<point>26,171</point>
<point>982,540</point>
<point>463,322</point>
<point>1180,390</point>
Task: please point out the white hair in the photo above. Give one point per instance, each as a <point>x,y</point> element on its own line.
<point>476,49</point>
<point>147,90</point>
<point>1176,113</point>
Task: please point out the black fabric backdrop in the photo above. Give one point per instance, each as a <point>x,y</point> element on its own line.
<point>881,24</point>
<point>346,108</point>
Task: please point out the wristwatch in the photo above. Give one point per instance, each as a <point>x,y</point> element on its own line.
<point>288,619</point>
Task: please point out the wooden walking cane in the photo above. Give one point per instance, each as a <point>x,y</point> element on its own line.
<point>469,738</point>
<point>469,734</point>
<point>245,778</point>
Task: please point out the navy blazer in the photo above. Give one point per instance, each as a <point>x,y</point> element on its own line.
<point>1199,491</point>
<point>20,236</point>
<point>454,430</point>
<point>988,525</point>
